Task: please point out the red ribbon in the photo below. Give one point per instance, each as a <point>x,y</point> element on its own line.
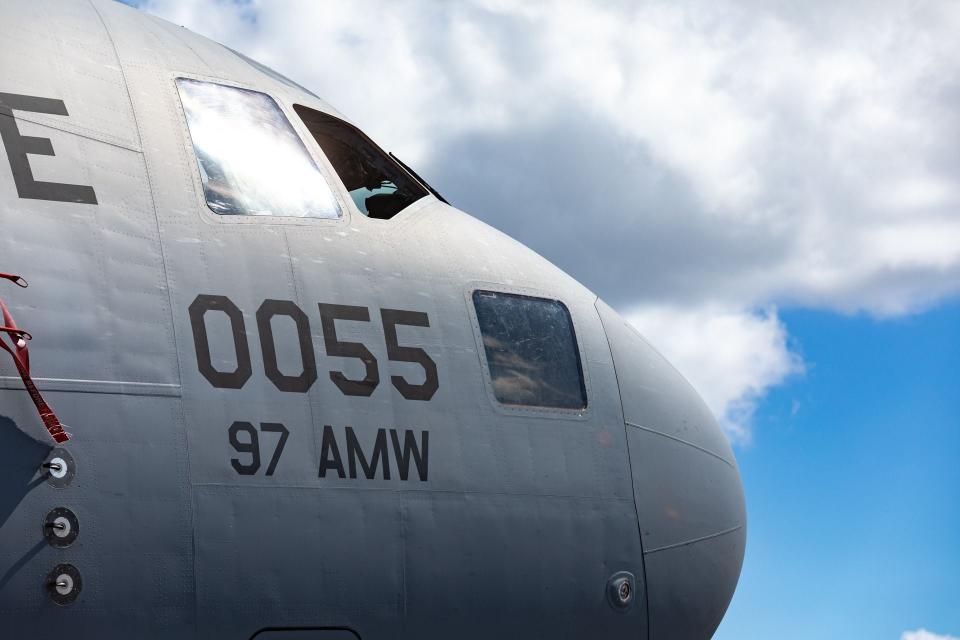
<point>17,280</point>
<point>21,358</point>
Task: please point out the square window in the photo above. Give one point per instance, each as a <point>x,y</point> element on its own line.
<point>531,350</point>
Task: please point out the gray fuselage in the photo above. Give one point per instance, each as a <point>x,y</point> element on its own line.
<point>180,347</point>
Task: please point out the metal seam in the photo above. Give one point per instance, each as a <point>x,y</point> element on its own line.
<point>695,540</point>
<point>633,488</point>
<point>681,441</point>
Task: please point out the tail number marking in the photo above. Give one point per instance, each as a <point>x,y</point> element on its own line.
<point>302,382</point>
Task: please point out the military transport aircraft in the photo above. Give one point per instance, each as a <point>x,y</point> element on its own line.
<point>266,383</point>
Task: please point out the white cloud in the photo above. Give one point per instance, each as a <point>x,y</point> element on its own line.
<point>923,634</point>
<point>730,356</point>
<point>736,154</point>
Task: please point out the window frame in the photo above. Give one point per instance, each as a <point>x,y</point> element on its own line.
<point>578,414</point>
<point>309,138</point>
<point>347,209</point>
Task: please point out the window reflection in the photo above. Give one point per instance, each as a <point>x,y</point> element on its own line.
<point>531,350</point>
<point>251,160</point>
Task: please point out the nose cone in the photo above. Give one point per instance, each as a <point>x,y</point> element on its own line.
<point>686,486</point>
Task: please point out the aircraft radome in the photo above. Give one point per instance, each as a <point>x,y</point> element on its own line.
<point>278,388</point>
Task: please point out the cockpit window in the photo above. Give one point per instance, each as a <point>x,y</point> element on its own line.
<point>531,350</point>
<point>378,185</point>
<point>251,160</point>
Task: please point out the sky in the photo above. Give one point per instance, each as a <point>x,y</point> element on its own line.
<point>768,191</point>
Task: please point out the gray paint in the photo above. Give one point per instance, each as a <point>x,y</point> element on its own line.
<point>527,513</point>
<point>687,488</point>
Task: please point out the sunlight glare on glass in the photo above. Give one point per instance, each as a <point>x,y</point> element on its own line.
<point>251,160</point>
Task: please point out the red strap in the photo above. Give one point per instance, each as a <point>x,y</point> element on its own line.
<point>17,280</point>
<point>21,358</point>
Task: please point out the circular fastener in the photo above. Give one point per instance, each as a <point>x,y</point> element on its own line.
<point>59,467</point>
<point>621,590</point>
<point>64,584</point>
<point>61,527</point>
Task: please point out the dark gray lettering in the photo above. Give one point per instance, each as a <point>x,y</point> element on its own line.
<point>330,454</point>
<point>18,146</point>
<point>419,455</point>
<point>355,454</point>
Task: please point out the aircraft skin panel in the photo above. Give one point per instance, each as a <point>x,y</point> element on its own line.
<point>135,547</point>
<point>691,607</point>
<point>408,563</point>
<point>148,44</point>
<point>298,557</point>
<point>664,400</point>
<point>692,521</point>
<point>698,503</point>
<point>97,292</point>
<point>560,547</point>
<point>143,42</point>
<point>58,49</point>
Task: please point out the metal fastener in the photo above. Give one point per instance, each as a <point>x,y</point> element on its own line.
<point>64,584</point>
<point>620,590</point>
<point>61,527</point>
<point>59,468</point>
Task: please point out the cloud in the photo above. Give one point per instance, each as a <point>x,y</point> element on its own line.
<point>731,357</point>
<point>707,158</point>
<point>923,634</point>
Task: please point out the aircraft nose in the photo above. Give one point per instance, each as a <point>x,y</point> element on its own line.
<point>687,489</point>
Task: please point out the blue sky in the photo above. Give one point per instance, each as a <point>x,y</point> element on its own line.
<point>768,190</point>
<point>853,486</point>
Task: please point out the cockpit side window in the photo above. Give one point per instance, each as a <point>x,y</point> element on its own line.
<point>531,350</point>
<point>377,184</point>
<point>251,160</point>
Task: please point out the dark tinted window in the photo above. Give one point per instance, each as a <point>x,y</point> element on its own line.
<point>378,185</point>
<point>531,350</point>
